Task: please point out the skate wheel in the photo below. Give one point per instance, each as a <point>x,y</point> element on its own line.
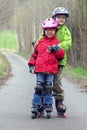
<point>62,115</point>
<point>65,115</point>
<point>33,116</point>
<point>48,115</point>
<point>38,114</point>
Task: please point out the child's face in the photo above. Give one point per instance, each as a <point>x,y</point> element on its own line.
<point>61,19</point>
<point>49,32</point>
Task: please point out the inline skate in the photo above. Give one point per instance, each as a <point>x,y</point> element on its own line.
<point>61,109</point>
<point>48,109</point>
<point>35,111</point>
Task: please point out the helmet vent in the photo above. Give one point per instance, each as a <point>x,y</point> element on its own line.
<point>48,19</point>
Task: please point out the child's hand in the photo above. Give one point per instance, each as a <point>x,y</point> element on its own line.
<point>33,43</point>
<point>56,47</point>
<point>31,69</point>
<point>50,49</point>
<point>53,48</point>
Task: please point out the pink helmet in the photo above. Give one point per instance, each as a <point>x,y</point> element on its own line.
<point>49,23</point>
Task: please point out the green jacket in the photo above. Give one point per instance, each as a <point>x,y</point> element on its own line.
<point>64,36</point>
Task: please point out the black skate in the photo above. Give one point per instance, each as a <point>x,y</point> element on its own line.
<point>41,110</point>
<point>35,112</point>
<point>61,110</point>
<point>48,109</point>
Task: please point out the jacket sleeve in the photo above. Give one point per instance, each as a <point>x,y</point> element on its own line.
<point>59,54</point>
<point>33,58</point>
<point>65,44</point>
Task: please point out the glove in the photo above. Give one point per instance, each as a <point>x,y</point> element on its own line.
<point>50,48</point>
<point>53,48</point>
<point>31,69</point>
<point>56,47</point>
<point>33,43</point>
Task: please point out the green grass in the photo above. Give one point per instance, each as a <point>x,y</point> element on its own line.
<point>8,40</point>
<point>77,73</point>
<point>3,65</point>
<point>80,71</point>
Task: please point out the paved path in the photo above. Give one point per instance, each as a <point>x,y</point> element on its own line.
<point>15,103</point>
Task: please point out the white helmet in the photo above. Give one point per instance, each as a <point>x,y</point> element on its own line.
<point>60,10</point>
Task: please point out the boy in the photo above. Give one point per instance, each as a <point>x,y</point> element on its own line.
<point>63,34</point>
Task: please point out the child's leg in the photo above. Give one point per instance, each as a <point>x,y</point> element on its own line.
<point>59,92</point>
<point>37,98</point>
<point>48,99</point>
<point>36,102</point>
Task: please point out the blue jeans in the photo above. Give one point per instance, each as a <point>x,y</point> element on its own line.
<point>44,78</point>
<point>46,81</point>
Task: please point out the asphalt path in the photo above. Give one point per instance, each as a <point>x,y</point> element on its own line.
<point>16,96</point>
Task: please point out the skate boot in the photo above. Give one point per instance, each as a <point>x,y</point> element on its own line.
<point>61,109</point>
<point>35,112</point>
<point>48,109</point>
<point>41,110</point>
<point>36,101</point>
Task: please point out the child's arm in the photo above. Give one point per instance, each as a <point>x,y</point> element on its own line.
<point>55,47</point>
<point>65,43</point>
<point>32,62</point>
<point>33,58</point>
<point>59,54</point>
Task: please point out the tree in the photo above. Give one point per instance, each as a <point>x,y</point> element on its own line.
<point>26,16</point>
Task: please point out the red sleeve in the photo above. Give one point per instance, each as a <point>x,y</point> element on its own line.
<point>36,48</point>
<point>33,58</point>
<point>60,54</point>
<point>31,61</point>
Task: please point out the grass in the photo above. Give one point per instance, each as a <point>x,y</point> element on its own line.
<point>78,74</point>
<point>8,40</point>
<point>80,71</point>
<point>3,65</point>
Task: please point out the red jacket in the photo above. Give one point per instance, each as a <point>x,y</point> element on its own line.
<point>43,60</point>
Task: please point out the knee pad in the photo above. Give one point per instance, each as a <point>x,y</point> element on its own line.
<point>39,88</point>
<point>37,99</point>
<point>48,87</point>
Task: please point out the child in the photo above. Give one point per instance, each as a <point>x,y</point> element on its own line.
<point>45,66</point>
<point>60,14</point>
